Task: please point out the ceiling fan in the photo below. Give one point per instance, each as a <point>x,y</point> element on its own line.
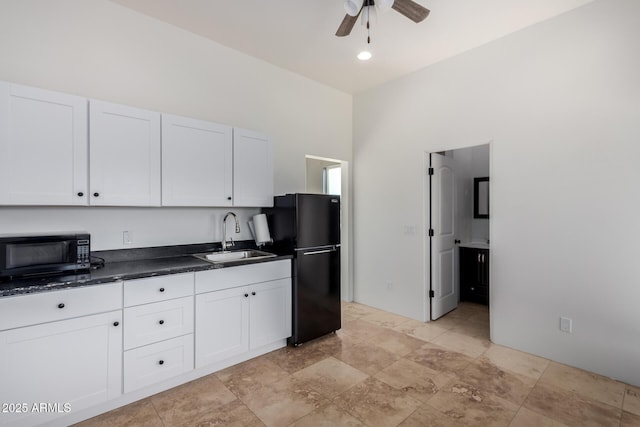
<point>408,8</point>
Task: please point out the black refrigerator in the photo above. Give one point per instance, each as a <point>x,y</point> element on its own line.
<point>307,226</point>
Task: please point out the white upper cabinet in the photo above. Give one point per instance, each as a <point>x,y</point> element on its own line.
<point>59,149</point>
<point>252,169</point>
<point>124,155</point>
<point>43,147</point>
<point>197,162</point>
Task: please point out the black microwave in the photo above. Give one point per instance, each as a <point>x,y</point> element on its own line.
<point>23,255</point>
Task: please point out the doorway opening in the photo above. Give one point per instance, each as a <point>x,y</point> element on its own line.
<point>457,217</point>
<point>331,176</point>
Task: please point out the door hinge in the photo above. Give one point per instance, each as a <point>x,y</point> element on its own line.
<point>432,294</point>
<point>431,232</point>
<point>430,171</point>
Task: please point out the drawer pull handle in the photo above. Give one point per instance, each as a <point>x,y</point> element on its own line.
<point>61,305</point>
<point>116,323</point>
<point>253,293</point>
<point>161,289</point>
<point>161,362</point>
<point>161,322</point>
<point>246,295</point>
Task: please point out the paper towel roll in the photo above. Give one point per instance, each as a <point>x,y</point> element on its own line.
<point>260,229</point>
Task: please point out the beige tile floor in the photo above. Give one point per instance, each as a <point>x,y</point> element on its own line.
<point>382,369</point>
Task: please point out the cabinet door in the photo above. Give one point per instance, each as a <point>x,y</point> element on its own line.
<point>124,155</point>
<point>252,169</point>
<point>222,325</point>
<point>269,312</point>
<point>76,361</point>
<point>43,147</point>
<point>197,162</point>
<point>468,268</point>
<point>484,268</point>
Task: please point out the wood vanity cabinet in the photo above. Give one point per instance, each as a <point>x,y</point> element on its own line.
<point>474,275</point>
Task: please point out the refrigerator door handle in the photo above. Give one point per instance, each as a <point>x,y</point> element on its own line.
<point>325,251</point>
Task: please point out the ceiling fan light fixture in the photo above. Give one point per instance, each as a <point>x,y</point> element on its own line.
<point>352,7</point>
<point>384,5</point>
<point>368,14</point>
<point>365,55</point>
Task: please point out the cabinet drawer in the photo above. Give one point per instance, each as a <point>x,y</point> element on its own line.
<point>231,277</point>
<point>146,324</point>
<point>157,362</point>
<point>153,289</point>
<point>23,310</point>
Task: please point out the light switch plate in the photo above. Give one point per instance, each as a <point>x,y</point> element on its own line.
<point>566,324</point>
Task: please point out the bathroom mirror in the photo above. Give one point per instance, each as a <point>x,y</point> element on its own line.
<point>481,197</point>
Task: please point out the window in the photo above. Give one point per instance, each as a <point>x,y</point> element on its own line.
<point>333,180</point>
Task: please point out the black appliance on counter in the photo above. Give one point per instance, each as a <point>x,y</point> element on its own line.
<point>24,255</point>
<point>307,226</point>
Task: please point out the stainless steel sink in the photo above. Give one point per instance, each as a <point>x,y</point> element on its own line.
<point>227,257</point>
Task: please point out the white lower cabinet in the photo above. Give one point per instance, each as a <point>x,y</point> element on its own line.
<point>230,322</point>
<point>157,362</point>
<point>69,365</point>
<point>269,312</point>
<point>78,351</point>
<point>222,325</point>
<point>149,323</point>
<point>158,329</point>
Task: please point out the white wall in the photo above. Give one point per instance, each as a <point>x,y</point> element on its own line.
<point>99,49</point>
<point>560,103</point>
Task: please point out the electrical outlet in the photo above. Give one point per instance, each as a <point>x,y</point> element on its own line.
<point>566,324</point>
<point>127,238</point>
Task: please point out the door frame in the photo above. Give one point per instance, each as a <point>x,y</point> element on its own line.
<point>346,231</point>
<point>426,258</point>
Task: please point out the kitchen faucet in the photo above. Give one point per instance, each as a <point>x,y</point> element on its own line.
<point>224,231</point>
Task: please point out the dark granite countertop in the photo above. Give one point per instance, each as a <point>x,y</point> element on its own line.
<point>127,264</point>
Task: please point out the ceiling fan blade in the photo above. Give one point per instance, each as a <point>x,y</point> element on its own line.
<point>347,24</point>
<point>411,10</point>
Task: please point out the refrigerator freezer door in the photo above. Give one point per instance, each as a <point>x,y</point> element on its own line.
<point>316,294</point>
<point>318,220</point>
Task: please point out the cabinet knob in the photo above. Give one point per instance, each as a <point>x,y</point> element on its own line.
<point>61,305</point>
<point>161,322</point>
<point>246,295</point>
<point>116,323</point>
<point>253,293</point>
<point>456,241</point>
<point>161,362</point>
<point>229,198</point>
<point>96,194</point>
<point>80,194</point>
<point>161,289</point>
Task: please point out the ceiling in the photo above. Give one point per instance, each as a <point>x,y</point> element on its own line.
<point>298,35</point>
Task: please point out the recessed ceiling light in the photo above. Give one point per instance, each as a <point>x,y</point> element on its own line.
<point>364,55</point>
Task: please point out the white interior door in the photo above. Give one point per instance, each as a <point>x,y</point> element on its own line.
<point>444,295</point>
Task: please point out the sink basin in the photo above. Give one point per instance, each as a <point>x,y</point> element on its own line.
<point>233,256</point>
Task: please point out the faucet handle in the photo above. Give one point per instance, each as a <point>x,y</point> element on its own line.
<point>231,242</point>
